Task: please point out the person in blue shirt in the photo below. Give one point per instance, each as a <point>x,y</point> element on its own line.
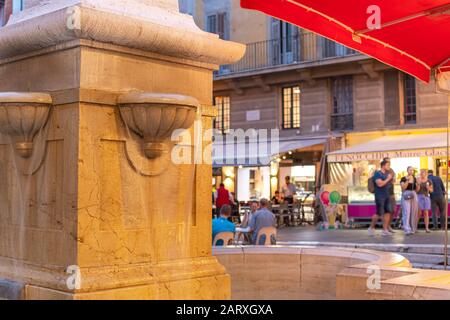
<point>222,224</point>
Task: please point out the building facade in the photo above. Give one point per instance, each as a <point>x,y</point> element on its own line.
<point>320,95</point>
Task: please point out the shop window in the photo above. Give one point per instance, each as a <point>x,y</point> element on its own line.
<point>291,107</point>
<point>217,23</point>
<point>409,93</point>
<point>222,121</point>
<point>342,108</point>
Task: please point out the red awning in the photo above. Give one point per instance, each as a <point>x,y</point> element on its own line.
<point>414,35</point>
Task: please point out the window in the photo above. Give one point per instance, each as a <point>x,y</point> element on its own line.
<point>217,23</point>
<point>342,109</point>
<point>285,42</point>
<point>409,92</point>
<point>2,13</point>
<point>222,121</point>
<point>331,49</point>
<point>187,6</point>
<point>291,107</point>
<point>17,6</point>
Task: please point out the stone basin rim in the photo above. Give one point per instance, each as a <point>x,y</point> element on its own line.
<point>25,97</point>
<point>157,99</point>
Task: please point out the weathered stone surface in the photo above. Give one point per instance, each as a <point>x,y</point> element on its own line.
<point>326,273</point>
<point>88,198</point>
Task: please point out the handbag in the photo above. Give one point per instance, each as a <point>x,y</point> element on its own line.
<point>408,196</point>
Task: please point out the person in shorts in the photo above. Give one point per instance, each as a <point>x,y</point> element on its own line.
<point>382,178</point>
<point>392,195</point>
<point>425,189</point>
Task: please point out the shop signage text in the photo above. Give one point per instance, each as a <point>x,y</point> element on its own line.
<point>372,156</point>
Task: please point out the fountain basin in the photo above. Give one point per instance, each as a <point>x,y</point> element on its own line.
<point>309,273</point>
<point>22,116</point>
<point>155,117</point>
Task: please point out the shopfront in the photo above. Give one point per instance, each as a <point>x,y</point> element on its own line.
<point>352,167</point>
<point>298,159</point>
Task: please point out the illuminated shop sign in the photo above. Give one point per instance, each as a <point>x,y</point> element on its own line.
<point>379,155</point>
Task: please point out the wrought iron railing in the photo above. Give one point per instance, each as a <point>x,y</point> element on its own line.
<point>293,50</point>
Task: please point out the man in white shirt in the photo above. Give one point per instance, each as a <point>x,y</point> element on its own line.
<point>289,190</point>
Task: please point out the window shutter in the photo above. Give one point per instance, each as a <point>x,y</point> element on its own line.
<point>276,43</point>
<point>221,20</point>
<point>391,98</point>
<point>211,24</point>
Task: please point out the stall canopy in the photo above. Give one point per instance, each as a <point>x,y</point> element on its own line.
<point>257,154</point>
<point>397,146</point>
<point>409,35</point>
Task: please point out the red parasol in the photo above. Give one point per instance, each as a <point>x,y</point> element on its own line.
<point>413,36</point>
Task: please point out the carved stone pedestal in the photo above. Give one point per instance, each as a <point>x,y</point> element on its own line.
<point>88,213</point>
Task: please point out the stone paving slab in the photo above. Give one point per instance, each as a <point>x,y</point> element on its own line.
<point>421,242</point>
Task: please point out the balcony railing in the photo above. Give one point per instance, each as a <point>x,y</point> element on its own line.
<point>286,51</point>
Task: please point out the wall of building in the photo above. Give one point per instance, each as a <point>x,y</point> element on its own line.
<point>431,106</point>
<point>31,3</point>
<point>315,107</point>
<point>316,101</point>
<point>368,108</point>
<point>248,25</point>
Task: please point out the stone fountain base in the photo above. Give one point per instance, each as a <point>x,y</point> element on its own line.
<point>88,215</point>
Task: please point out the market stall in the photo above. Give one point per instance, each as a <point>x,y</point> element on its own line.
<point>352,166</point>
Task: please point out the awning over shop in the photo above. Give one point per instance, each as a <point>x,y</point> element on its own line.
<point>287,146</point>
<point>397,146</point>
<point>257,154</point>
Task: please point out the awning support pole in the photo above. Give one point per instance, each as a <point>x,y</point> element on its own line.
<point>446,188</point>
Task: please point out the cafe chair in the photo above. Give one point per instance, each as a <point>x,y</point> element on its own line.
<point>223,239</point>
<point>266,236</point>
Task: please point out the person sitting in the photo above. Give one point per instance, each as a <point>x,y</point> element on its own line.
<point>254,206</point>
<point>261,219</point>
<point>222,224</point>
<point>277,199</point>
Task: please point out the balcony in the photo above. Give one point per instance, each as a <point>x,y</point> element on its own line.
<point>295,50</point>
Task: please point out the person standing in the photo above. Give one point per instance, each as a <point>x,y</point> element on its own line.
<point>392,195</point>
<point>410,206</point>
<point>289,190</point>
<point>222,197</point>
<point>437,200</point>
<point>381,180</point>
<point>423,195</point>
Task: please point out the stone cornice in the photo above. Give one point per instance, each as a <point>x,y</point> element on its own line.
<point>84,22</point>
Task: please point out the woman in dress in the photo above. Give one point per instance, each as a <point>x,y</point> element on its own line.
<point>425,189</point>
<point>410,208</point>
